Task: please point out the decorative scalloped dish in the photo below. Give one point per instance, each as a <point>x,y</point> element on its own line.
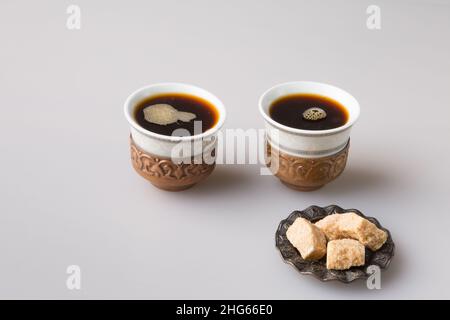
<point>290,254</point>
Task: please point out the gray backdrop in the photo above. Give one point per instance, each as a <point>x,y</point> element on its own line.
<point>68,192</point>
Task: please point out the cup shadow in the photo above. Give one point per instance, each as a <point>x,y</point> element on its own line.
<point>359,179</point>
<point>225,178</point>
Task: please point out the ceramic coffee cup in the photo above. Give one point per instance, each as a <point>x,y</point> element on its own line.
<point>307,159</point>
<point>157,158</point>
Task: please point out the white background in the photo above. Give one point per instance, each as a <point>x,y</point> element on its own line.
<point>68,194</point>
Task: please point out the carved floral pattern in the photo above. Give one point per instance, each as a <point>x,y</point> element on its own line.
<point>304,171</point>
<point>164,170</point>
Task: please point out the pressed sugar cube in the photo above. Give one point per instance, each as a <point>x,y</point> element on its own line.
<point>344,254</point>
<point>351,225</point>
<point>309,240</point>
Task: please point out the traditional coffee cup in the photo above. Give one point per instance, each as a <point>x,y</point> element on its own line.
<point>156,157</point>
<point>307,159</point>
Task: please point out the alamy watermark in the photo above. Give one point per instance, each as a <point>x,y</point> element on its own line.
<point>73,281</point>
<point>73,21</point>
<point>230,146</point>
<point>374,280</point>
<point>374,17</point>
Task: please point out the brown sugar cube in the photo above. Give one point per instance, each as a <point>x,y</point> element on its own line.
<point>351,225</point>
<point>363,230</point>
<point>330,226</point>
<point>344,254</point>
<point>309,240</point>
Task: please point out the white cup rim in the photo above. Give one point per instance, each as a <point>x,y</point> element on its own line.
<point>349,123</point>
<point>204,94</point>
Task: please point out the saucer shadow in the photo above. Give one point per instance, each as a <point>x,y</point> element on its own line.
<point>390,277</point>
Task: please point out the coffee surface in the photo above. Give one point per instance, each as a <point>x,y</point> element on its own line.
<point>206,115</point>
<point>308,112</point>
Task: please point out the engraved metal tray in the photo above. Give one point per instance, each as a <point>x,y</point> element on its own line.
<point>290,254</point>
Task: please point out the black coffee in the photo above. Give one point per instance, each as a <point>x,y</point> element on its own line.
<point>194,107</point>
<point>308,112</point>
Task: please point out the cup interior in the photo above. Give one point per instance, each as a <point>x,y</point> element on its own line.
<point>298,87</point>
<point>164,88</point>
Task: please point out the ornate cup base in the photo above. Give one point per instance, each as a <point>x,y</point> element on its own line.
<point>305,174</point>
<point>165,174</point>
<point>171,188</point>
<point>300,188</point>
